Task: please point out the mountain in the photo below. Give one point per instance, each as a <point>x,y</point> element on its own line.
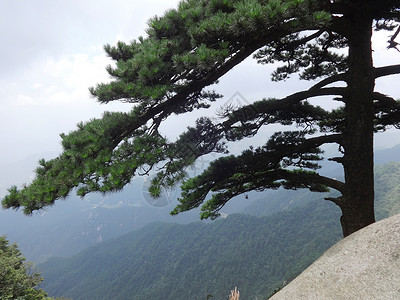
<point>271,202</point>
<point>387,155</point>
<point>171,261</point>
<point>387,190</point>
<point>75,224</point>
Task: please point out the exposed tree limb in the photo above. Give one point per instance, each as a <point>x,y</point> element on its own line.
<point>338,201</point>
<point>282,104</point>
<point>385,100</point>
<point>387,70</point>
<point>329,80</point>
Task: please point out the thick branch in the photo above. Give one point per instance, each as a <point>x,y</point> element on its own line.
<point>314,178</point>
<point>338,201</point>
<point>305,39</point>
<point>281,104</point>
<point>303,95</point>
<point>329,80</point>
<point>387,70</point>
<point>181,97</point>
<point>323,139</point>
<point>234,186</point>
<point>384,100</point>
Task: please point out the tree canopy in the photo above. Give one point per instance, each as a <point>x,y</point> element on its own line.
<point>16,279</point>
<point>188,49</point>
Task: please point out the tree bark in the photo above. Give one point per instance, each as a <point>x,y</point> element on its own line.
<point>358,205</point>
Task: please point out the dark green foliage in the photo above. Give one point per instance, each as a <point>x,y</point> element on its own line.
<point>17,281</point>
<point>167,261</point>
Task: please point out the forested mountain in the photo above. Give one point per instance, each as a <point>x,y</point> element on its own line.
<point>387,190</point>
<point>257,254</point>
<point>171,261</point>
<point>75,224</point>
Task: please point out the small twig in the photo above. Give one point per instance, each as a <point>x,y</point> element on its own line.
<point>392,42</point>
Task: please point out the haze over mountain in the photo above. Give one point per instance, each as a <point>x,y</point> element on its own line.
<point>73,225</point>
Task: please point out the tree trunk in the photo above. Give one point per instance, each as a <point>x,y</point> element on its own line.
<point>358,205</point>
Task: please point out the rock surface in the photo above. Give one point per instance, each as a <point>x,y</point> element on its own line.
<point>364,265</point>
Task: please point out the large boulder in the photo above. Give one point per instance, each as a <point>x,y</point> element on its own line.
<point>364,265</point>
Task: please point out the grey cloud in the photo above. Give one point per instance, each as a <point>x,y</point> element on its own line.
<point>31,30</point>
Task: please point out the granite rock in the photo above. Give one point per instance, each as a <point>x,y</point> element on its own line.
<point>364,265</point>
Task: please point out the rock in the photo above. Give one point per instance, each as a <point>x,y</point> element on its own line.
<point>364,265</point>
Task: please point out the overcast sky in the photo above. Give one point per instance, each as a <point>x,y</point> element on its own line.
<point>51,52</point>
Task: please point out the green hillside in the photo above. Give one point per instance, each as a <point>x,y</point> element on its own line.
<point>171,261</point>
<point>387,190</point>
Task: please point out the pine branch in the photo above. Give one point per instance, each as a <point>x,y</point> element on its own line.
<point>392,42</point>
<point>268,107</point>
<point>329,80</point>
<point>258,169</point>
<point>338,200</point>
<point>384,100</point>
<point>387,70</point>
<point>196,86</point>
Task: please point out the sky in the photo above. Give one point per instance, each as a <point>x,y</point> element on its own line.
<point>52,52</point>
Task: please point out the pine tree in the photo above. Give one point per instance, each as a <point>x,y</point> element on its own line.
<point>189,49</point>
<point>16,279</point>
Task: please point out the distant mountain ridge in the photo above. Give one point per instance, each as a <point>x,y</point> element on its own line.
<point>387,155</point>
